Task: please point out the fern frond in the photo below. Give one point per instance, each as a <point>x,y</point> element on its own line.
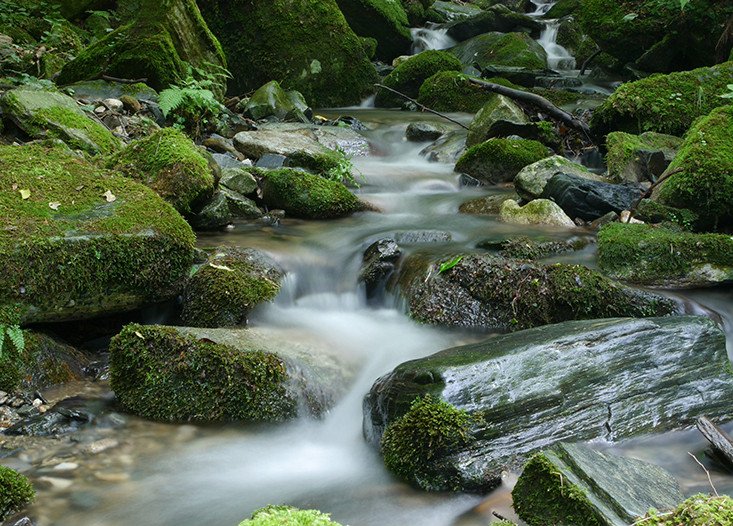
<point>15,334</point>
<point>169,99</point>
<point>2,339</point>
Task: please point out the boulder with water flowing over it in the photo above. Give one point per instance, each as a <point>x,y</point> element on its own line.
<point>485,291</point>
<point>577,380</point>
<point>497,18</point>
<point>225,289</point>
<point>570,483</point>
<point>588,199</point>
<point>179,374</point>
<point>383,20</point>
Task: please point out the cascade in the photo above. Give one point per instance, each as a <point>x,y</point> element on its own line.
<point>557,56</point>
<point>424,38</point>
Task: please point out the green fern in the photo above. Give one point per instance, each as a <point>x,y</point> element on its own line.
<point>15,334</point>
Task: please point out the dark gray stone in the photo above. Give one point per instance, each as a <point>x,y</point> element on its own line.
<point>272,161</point>
<point>496,18</point>
<point>378,264</point>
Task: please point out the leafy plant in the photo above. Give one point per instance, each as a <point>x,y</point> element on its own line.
<point>278,515</point>
<point>15,334</point>
<point>729,94</point>
<point>449,264</point>
<point>344,171</point>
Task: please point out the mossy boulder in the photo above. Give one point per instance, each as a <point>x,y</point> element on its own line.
<point>15,491</point>
<point>639,158</point>
<point>276,515</point>
<point>498,108</point>
<point>410,74</point>
<point>496,18</point>
<point>225,289</point>
<point>158,42</point>
<point>490,292</point>
<point>45,114</point>
<point>663,103</point>
<point>573,484</point>
<point>500,160</point>
<point>704,183</point>
<point>578,380</point>
<point>536,212</point>
<point>272,100</point>
<point>78,241</point>
<point>306,45</point>
<point>531,180</point>
<point>169,163</point>
<point>384,20</point>
<point>516,50</point>
<point>204,375</point>
<point>448,91</point>
<point>657,256</point>
<point>698,510</point>
<point>688,36</point>
<point>305,195</point>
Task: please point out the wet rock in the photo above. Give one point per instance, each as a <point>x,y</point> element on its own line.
<point>660,257</point>
<point>446,149</point>
<point>486,206</point>
<point>587,199</point>
<point>378,264</point>
<point>536,212</point>
<point>203,375</point>
<point>424,131</point>
<point>516,51</point>
<point>225,289</point>
<point>525,248</point>
<point>498,18</point>
<point>271,161</point>
<point>99,446</point>
<point>239,180</point>
<point>577,380</point>
<point>531,180</point>
<point>381,20</point>
<point>272,100</point>
<point>497,109</point>
<point>64,417</point>
<point>606,489</point>
<point>417,237</point>
<point>494,293</point>
<point>500,160</point>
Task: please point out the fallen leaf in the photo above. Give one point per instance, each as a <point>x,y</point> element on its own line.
<point>25,193</point>
<point>137,333</point>
<point>54,205</point>
<point>109,196</point>
<point>220,267</point>
<point>79,188</point>
<point>15,186</point>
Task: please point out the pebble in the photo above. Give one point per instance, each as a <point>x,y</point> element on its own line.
<point>56,483</point>
<point>113,104</point>
<point>101,445</point>
<point>112,477</point>
<point>66,466</point>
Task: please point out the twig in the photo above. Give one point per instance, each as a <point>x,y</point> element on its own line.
<point>652,517</point>
<point>157,146</point>
<point>498,515</point>
<point>422,107</point>
<point>123,81</point>
<point>589,60</point>
<point>648,191</point>
<point>706,472</point>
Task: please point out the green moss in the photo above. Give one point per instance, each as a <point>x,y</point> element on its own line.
<point>15,491</point>
<point>543,496</point>
<point>451,91</point>
<point>650,254</point>
<point>279,515</point>
<point>623,147</point>
<point>170,163</point>
<point>410,75</point>
<point>227,287</point>
<point>704,183</point>
<point>698,510</point>
<point>305,45</point>
<point>525,248</point>
<point>99,135</point>
<point>158,373</point>
<point>499,160</point>
<point>383,20</point>
<point>308,196</point>
<point>517,50</point>
<point>663,103</point>
<point>431,428</point>
<point>652,212</point>
<point>563,8</point>
<point>89,253</point>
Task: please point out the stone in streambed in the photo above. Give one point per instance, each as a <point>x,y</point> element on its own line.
<point>531,180</point>
<point>497,18</point>
<point>571,483</point>
<point>500,160</point>
<point>536,212</point>
<point>639,158</point>
<point>577,380</point>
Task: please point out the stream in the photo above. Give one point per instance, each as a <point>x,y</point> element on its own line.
<point>122,470</point>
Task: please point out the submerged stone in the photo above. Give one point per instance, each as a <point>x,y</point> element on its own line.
<point>577,380</point>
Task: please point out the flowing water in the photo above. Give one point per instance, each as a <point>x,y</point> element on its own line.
<point>558,57</point>
<point>424,38</point>
<point>184,475</point>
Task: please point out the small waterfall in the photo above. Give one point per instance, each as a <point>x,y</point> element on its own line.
<point>542,7</point>
<point>424,38</point>
<point>557,56</point>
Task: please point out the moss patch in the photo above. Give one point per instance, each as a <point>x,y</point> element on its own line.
<point>170,163</point>
<point>663,103</point>
<point>623,148</point>
<point>15,491</point>
<point>410,74</point>
<point>499,160</point>
<point>452,91</point>
<point>158,373</point>
<point>431,428</point>
<point>279,515</point>
<point>383,20</point>
<point>501,49</point>
<point>698,510</point>
<point>542,496</point>
<point>653,255</point>
<point>83,240</point>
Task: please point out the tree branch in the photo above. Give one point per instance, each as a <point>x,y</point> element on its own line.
<point>423,107</point>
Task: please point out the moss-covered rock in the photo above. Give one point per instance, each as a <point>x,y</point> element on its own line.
<point>277,515</point>
<point>158,42</point>
<point>690,34</point>
<point>494,293</point>
<point>500,160</point>
<point>663,103</point>
<point>384,20</point>
<point>639,157</point>
<point>657,256</point>
<point>516,50</point>
<point>497,108</point>
<point>704,183</point>
<point>15,491</point>
<point>536,212</point>
<point>171,164</point>
<point>496,18</point>
<point>308,196</point>
<point>225,289</point>
<point>698,510</point>
<point>531,180</point>
<point>272,100</point>
<point>52,115</point>
<point>77,241</point>
<point>448,91</point>
<point>562,8</point>
<point>430,428</point>
<point>305,44</point>
<point>410,74</point>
